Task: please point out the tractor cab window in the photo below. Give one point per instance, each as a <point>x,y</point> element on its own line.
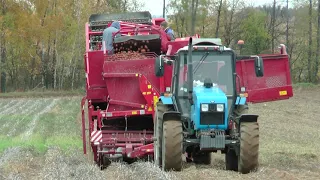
<point>213,65</point>
<point>217,67</point>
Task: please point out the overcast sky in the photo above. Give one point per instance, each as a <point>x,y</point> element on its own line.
<point>155,6</point>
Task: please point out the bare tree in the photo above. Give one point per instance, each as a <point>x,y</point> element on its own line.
<point>194,7</point>
<point>3,50</point>
<point>218,19</point>
<point>318,45</point>
<point>273,22</point>
<point>164,9</point>
<point>310,42</point>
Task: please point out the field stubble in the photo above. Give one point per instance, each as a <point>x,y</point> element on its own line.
<point>52,148</point>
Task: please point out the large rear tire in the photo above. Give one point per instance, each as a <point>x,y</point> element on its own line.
<point>172,145</point>
<point>249,147</point>
<point>158,126</point>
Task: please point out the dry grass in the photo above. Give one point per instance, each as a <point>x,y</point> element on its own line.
<point>289,149</point>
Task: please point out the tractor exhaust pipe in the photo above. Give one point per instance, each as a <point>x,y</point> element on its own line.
<point>190,72</point>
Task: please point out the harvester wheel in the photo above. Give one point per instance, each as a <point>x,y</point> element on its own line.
<point>90,154</point>
<point>202,158</point>
<point>158,126</point>
<point>249,147</point>
<point>89,150</point>
<point>172,145</point>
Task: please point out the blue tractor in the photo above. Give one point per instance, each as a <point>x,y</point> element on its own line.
<point>202,112</point>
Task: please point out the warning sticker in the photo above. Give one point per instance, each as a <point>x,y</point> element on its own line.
<point>283,93</point>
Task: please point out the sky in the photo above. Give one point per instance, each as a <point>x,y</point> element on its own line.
<point>155,6</point>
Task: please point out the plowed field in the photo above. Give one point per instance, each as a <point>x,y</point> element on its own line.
<point>40,138</point>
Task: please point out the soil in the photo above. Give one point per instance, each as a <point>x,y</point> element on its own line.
<point>289,149</point>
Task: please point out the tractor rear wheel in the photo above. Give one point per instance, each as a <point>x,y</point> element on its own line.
<point>158,126</point>
<point>249,147</point>
<point>202,158</point>
<point>172,145</point>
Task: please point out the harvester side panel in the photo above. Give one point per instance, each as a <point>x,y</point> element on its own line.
<point>96,86</point>
<point>274,85</point>
<point>130,81</point>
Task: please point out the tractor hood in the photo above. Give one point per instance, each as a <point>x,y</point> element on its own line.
<point>209,95</point>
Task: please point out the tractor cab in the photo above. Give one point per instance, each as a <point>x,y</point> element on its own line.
<point>205,83</point>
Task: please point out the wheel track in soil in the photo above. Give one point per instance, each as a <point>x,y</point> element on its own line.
<point>12,108</point>
<point>25,112</point>
<point>7,105</point>
<point>33,122</point>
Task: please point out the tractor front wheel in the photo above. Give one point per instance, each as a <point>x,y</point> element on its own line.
<point>172,145</point>
<point>249,147</point>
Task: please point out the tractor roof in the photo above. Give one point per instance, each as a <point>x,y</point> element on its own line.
<point>204,42</point>
<point>207,41</point>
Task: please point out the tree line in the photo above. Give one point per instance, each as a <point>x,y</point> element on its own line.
<point>42,42</point>
<point>262,28</point>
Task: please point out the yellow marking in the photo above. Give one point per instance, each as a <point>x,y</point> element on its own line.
<point>283,93</point>
<point>142,106</point>
<point>148,93</point>
<point>144,93</point>
<point>155,100</point>
<point>134,112</point>
<point>150,109</point>
<point>149,86</point>
<point>137,75</point>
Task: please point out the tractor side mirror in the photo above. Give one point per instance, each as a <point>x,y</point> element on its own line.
<point>159,67</point>
<point>258,64</point>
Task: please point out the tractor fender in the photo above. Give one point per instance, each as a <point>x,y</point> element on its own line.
<point>172,115</point>
<point>248,118</point>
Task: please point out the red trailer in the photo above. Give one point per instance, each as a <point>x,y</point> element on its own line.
<point>122,89</point>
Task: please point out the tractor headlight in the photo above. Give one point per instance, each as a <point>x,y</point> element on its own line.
<point>205,107</point>
<point>220,107</point>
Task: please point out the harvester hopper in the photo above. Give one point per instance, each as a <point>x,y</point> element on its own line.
<point>143,17</point>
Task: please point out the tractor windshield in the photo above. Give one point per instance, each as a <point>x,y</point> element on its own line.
<point>213,65</point>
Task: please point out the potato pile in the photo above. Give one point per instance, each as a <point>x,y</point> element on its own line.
<point>132,45</point>
<point>126,56</point>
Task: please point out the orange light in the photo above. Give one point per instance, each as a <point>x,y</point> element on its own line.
<point>240,42</point>
<point>195,47</point>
